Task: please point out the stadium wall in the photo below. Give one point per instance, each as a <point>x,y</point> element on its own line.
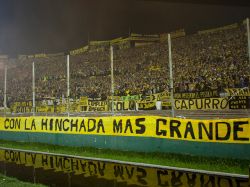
<point>217,138</point>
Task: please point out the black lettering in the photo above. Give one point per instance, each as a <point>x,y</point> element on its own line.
<point>101,169</point>
<point>44,124</point>
<point>59,162</point>
<point>82,125</point>
<point>25,156</point>
<point>33,125</point>
<point>183,105</point>
<point>74,164</point>
<point>209,132</point>
<point>217,130</point>
<point>14,123</point>
<point>74,125</point>
<point>207,103</point>
<point>211,180</point>
<point>83,165</point>
<point>225,102</point>
<point>190,103</point>
<point>44,160</point>
<point>93,128</point>
<point>229,182</point>
<point>158,131</point>
<point>175,103</point>
<point>64,125</point>
<point>175,128</point>
<point>128,125</point>
<point>189,130</point>
<point>6,155</point>
<point>51,124</point>
<point>118,171</point>
<point>142,126</point>
<point>124,105</point>
<point>58,124</point>
<point>176,178</point>
<point>232,92</point>
<point>33,158</point>
<point>197,103</point>
<point>18,123</point>
<point>25,125</point>
<point>117,127</point>
<point>12,156</point>
<point>237,129</point>
<point>119,106</point>
<point>51,161</point>
<point>129,173</point>
<point>132,105</point>
<point>5,123</point>
<point>141,177</point>
<point>215,103</point>
<point>191,180</point>
<point>66,163</point>
<point>241,182</point>
<point>100,125</point>
<point>159,180</point>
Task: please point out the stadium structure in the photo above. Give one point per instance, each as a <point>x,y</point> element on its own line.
<point>168,92</point>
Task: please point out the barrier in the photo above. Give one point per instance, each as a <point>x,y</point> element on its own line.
<point>220,131</point>
<point>164,134</point>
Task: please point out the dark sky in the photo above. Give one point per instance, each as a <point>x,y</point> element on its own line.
<point>37,26</point>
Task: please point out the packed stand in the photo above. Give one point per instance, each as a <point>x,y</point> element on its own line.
<point>201,62</point>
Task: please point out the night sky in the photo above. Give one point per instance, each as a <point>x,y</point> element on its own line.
<point>50,26</point>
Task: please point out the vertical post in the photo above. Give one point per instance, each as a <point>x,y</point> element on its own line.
<point>248,39</point>
<point>69,179</point>
<point>5,88</point>
<point>112,78</point>
<point>33,89</point>
<point>68,86</point>
<point>88,38</point>
<point>171,74</point>
<point>34,175</point>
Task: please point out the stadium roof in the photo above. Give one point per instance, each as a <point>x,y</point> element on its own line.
<point>45,26</point>
<point>215,2</point>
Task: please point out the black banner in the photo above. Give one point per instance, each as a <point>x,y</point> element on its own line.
<point>239,102</point>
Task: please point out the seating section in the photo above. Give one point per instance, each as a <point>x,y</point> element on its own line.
<point>201,62</point>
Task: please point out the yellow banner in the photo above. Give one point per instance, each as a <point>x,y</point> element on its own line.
<point>221,131</point>
<point>42,55</point>
<point>131,174</point>
<point>238,91</point>
<point>202,104</point>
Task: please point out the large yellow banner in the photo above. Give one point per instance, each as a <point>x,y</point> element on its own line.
<point>222,131</point>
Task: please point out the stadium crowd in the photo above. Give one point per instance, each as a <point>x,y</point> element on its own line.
<point>201,62</point>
